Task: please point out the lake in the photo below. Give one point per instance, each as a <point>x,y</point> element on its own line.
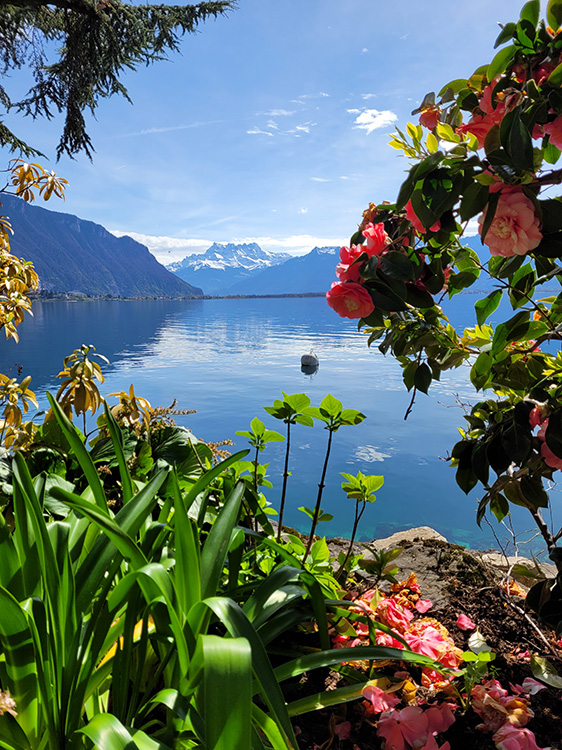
<point>229,358</point>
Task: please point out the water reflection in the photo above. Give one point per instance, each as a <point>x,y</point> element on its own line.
<point>229,358</point>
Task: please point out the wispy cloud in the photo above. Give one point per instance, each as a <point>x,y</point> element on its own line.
<point>372,119</point>
<point>319,95</point>
<point>303,210</point>
<point>368,96</point>
<point>278,113</point>
<point>320,179</point>
<point>258,131</point>
<point>364,50</point>
<point>170,128</point>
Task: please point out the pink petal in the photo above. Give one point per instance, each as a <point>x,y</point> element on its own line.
<point>465,623</point>
<point>422,605</point>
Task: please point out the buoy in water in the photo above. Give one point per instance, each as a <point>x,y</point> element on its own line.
<point>309,360</point>
<point>310,363</point>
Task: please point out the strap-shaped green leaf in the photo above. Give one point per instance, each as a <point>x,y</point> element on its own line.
<point>227,692</point>
<point>81,455</point>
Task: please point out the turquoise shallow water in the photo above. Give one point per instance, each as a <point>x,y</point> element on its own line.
<point>229,358</point>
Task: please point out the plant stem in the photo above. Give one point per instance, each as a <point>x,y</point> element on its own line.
<point>355,525</point>
<point>319,497</point>
<point>285,477</point>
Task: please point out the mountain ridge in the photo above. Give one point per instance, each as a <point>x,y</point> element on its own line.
<point>79,256</point>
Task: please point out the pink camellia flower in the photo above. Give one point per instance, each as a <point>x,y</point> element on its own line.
<point>509,737</point>
<point>403,729</point>
<point>350,300</point>
<point>376,239</point>
<point>554,130</point>
<point>416,223</point>
<point>430,117</point>
<point>422,605</point>
<point>515,226</point>
<point>346,270</point>
<point>392,614</point>
<point>380,700</point>
<point>479,126</point>
<point>465,623</point>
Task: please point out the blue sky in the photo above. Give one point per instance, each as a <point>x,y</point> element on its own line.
<point>272,125</point>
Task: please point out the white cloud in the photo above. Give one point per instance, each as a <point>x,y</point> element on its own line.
<point>272,125</point>
<point>364,50</point>
<point>354,111</point>
<point>368,96</point>
<point>319,179</point>
<point>372,119</point>
<point>304,128</point>
<point>471,228</point>
<point>257,131</point>
<point>303,210</point>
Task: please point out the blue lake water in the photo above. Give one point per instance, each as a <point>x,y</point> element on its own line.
<point>229,358</point>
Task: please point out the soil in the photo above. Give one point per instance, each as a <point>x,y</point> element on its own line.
<point>456,581</point>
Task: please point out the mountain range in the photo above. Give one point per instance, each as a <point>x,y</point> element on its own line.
<point>73,255</point>
<point>222,266</point>
<point>247,269</point>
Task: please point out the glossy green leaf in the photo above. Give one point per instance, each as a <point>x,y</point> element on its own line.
<point>227,692</point>
<point>486,306</point>
<point>81,454</point>
<point>500,62</point>
<point>554,13</point>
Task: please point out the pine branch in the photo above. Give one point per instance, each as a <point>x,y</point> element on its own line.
<point>96,41</point>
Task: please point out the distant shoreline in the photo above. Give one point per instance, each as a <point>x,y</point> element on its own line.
<point>69,297</point>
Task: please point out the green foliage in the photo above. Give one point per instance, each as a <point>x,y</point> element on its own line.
<point>491,152</point>
<point>381,564</point>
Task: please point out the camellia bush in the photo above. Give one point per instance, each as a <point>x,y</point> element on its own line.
<point>488,148</point>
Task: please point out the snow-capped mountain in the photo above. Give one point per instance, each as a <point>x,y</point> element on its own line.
<point>310,273</point>
<point>222,266</point>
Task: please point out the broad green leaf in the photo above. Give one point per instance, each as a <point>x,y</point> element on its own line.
<point>500,62</point>
<point>423,377</point>
<point>543,670</point>
<point>554,14</point>
<point>531,12</point>
<point>106,731</point>
<point>505,34</point>
<point>555,78</point>
<point>485,307</point>
<point>331,405</point>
